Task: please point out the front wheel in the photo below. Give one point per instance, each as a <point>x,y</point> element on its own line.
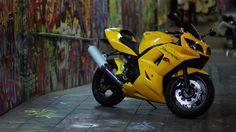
<point>193,102</point>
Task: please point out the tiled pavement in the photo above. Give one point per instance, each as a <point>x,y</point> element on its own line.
<point>76,110</point>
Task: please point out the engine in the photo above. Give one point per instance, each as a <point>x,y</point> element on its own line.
<point>131,72</point>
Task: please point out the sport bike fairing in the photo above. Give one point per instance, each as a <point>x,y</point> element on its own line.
<point>153,46</point>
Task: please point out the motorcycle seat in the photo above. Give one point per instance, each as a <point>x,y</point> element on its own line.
<point>129,40</point>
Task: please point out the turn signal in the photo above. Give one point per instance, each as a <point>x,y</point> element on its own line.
<point>166,59</point>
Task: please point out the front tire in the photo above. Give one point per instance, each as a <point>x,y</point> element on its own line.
<point>193,103</point>
<point>105,90</point>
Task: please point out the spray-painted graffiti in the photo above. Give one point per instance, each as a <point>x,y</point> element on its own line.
<point>57,64</point>
<point>61,63</point>
<point>100,17</point>
<point>33,65</point>
<point>131,12</point>
<point>202,6</point>
<point>41,113</point>
<point>65,16</point>
<point>10,79</point>
<point>142,15</point>
<point>114,13</point>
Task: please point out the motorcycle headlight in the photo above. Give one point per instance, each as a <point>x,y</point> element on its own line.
<point>198,47</point>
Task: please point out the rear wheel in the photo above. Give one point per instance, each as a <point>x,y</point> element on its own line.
<point>191,103</point>
<point>105,90</point>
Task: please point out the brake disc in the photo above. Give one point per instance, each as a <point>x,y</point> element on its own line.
<point>190,101</point>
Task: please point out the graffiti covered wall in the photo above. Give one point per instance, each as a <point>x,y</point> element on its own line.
<point>59,62</point>
<point>149,15</point>
<point>11,89</point>
<point>32,64</point>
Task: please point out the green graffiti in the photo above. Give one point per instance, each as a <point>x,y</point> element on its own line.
<point>41,113</point>
<point>17,18</point>
<point>150,14</point>
<point>50,53</point>
<point>114,13</point>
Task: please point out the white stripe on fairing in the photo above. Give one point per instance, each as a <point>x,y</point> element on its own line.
<point>156,40</point>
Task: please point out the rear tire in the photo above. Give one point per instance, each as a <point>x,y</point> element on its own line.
<point>105,90</point>
<point>193,103</point>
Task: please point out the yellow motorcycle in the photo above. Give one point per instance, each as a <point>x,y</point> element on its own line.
<point>165,67</point>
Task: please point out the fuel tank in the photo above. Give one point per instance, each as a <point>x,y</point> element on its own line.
<point>149,39</point>
<point>155,38</point>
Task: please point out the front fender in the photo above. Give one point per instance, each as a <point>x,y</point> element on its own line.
<point>191,71</point>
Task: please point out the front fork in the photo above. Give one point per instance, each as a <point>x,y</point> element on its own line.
<point>186,79</point>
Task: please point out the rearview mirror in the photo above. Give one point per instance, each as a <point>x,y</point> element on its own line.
<point>210,33</point>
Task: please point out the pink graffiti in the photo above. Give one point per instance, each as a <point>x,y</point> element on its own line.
<point>85,64</point>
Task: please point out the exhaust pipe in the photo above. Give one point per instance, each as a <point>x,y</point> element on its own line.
<point>102,63</point>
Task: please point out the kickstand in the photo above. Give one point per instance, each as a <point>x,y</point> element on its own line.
<point>152,104</point>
